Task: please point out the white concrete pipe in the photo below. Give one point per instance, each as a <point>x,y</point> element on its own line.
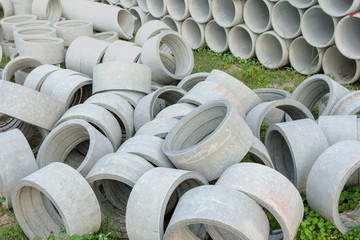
<point>227,13</point>
<point>33,32</point>
<point>272,50</point>
<point>178,9</point>
<point>318,28</point>
<point>140,17</point>
<point>7,8</point>
<point>339,8</point>
<point>143,5</point>
<point>347,37</point>
<point>22,6</point>
<point>8,22</point>
<point>200,10</point>
<point>128,3</point>
<point>242,41</point>
<point>150,17</point>
<point>257,15</point>
<point>47,9</point>
<point>157,8</point>
<point>304,58</point>
<point>172,23</point>
<point>194,33</point>
<point>216,37</point>
<point>303,4</point>
<point>107,36</point>
<point>345,70</point>
<point>69,30</point>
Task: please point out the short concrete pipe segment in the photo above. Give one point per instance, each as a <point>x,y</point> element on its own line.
<point>104,17</point>
<point>310,91</point>
<point>63,139</point>
<point>22,6</point>
<point>116,174</point>
<point>345,38</point>
<point>216,37</point>
<point>122,76</point>
<point>132,97</point>
<point>272,50</point>
<point>178,9</point>
<point>99,117</point>
<point>172,23</point>
<point>327,179</point>
<point>7,8</point>
<point>17,161</point>
<point>145,215</point>
<point>286,19</point>
<point>43,31</point>
<point>294,147</point>
<point>257,15</point>
<point>242,41</point>
<point>177,111</point>
<point>69,30</point>
<point>337,9</point>
<point>194,33</point>
<point>140,17</point>
<point>157,8</point>
<point>194,143</point>
<point>348,105</point>
<point>7,23</point>
<point>227,13</point>
<point>318,28</point>
<point>259,153</point>
<point>304,58</point>
<point>150,105</point>
<point>19,63</point>
<point>158,127</point>
<point>200,10</point>
<point>148,30</point>
<point>303,4</point>
<point>34,23</point>
<point>147,147</point>
<point>222,211</point>
<point>345,70</point>
<point>50,196</point>
<point>181,51</point>
<point>107,36</point>
<point>279,196</point>
<point>190,81</point>
<point>118,48</point>
<point>47,9</point>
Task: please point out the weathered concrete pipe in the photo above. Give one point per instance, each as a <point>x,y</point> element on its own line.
<point>339,9</point>
<point>346,39</point>
<point>140,17</point>
<point>172,23</point>
<point>143,5</point>
<point>200,10</point>
<point>149,30</point>
<point>19,63</point>
<point>257,15</point>
<point>22,6</point>
<point>157,8</point>
<point>159,127</point>
<point>178,9</point>
<point>47,9</point>
<point>69,30</point>
<point>7,8</point>
<point>177,111</point>
<point>190,81</point>
<point>303,4</point>
<point>242,41</point>
<point>227,13</point>
<point>8,22</point>
<point>348,105</point>
<point>216,37</point>
<point>194,33</point>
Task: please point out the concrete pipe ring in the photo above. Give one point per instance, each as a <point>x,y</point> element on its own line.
<point>131,97</point>
<point>177,111</point>
<point>303,4</point>
<point>259,153</point>
<point>193,143</point>
<point>37,76</point>
<point>147,147</point>
<point>107,36</point>
<point>148,30</point>
<point>172,23</point>
<point>22,6</point>
<point>194,33</point>
<point>157,8</point>
<point>148,213</point>
<point>43,197</point>
<point>227,13</point>
<point>140,15</point>
<point>284,202</point>
<point>158,127</point>
<point>242,41</point>
<point>69,30</point>
<point>116,49</point>
<point>216,37</point>
<point>47,9</point>
<point>7,8</point>
<point>178,9</point>
<point>257,15</point>
<point>32,32</point>
<point>345,41</point>
<point>31,24</point>
<point>19,63</point>
<point>337,9</point>
<point>190,81</point>
<point>200,10</point>
<point>7,23</point>
<point>348,105</point>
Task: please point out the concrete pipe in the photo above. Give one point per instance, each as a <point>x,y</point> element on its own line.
<point>147,147</point>
<point>22,6</point>
<point>310,91</point>
<point>294,147</point>
<point>181,51</point>
<point>103,17</point>
<point>186,149</point>
<point>37,76</point>
<point>152,104</point>
<point>32,24</point>
<point>150,17</point>
<point>112,179</point>
<point>148,30</point>
<point>20,76</point>
<point>99,117</point>
<point>50,196</point>
<point>327,179</point>
<point>178,9</point>
<point>143,5</point>
<point>337,9</point>
<point>17,160</point>
<point>304,58</point>
<point>271,190</point>
<point>242,41</point>
<point>216,37</point>
<point>7,23</point>
<point>157,8</point>
<point>194,33</point>
<point>222,211</point>
<point>33,32</point>
<point>7,8</point>
<point>146,215</point>
<point>140,17</point>
<point>190,81</point>
<point>47,9</point>
<point>69,30</point>
<point>63,141</point>
<point>272,51</point>
<point>132,97</point>
<point>345,70</point>
<point>200,10</point>
<point>172,23</point>
<point>286,19</point>
<point>345,38</point>
<point>348,105</point>
<point>118,107</point>
<point>227,13</point>
<point>158,127</point>
<point>318,28</point>
<point>122,76</point>
<point>177,111</point>
<point>303,4</point>
<point>107,36</point>
<point>117,49</point>
<point>259,153</point>
<point>84,53</point>
<point>8,48</point>
<point>257,15</point>
<point>128,3</point>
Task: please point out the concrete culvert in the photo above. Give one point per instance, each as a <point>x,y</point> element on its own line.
<point>178,9</point>
<point>200,10</point>
<point>172,23</point>
<point>339,8</point>
<point>257,15</point>
<point>157,8</point>
<point>304,58</point>
<point>194,33</point>
<point>149,30</point>
<point>242,41</point>
<point>348,105</point>
<point>43,31</point>
<point>216,37</point>
<point>227,13</point>
<point>303,4</point>
<point>140,17</point>
<point>347,36</point>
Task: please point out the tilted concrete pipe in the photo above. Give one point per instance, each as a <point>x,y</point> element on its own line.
<point>194,33</point>
<point>216,37</point>
<point>242,41</point>
<point>257,15</point>
<point>346,39</point>
<point>200,10</point>
<point>339,8</point>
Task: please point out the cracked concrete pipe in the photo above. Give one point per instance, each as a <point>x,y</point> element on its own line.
<point>69,30</point>
<point>116,174</point>
<point>242,41</point>
<point>216,37</point>
<point>212,121</point>
<point>294,109</point>
<point>7,8</point>
<point>50,196</point>
<point>193,32</point>
<point>107,36</point>
<point>303,4</point>
<point>339,9</point>
<point>310,91</point>
<point>348,105</point>
<point>148,30</point>
<point>140,17</point>
<point>177,111</point>
<point>294,147</point>
<point>7,23</point>
<point>22,6</point>
<point>257,15</point>
<point>190,81</point>
<point>145,216</point>
<point>327,179</point>
<point>17,161</point>
<point>122,76</point>
<point>181,51</point>
<point>200,10</point>
<point>47,9</point>
<point>214,207</point>
<point>346,41</point>
<point>103,17</point>
<point>318,28</point>
<point>62,142</point>
<point>158,127</point>
<point>227,13</point>
<point>157,8</point>
<point>271,190</point>
<point>172,23</point>
<point>178,9</point>
<point>304,58</point>
<point>272,50</point>
<point>345,70</point>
